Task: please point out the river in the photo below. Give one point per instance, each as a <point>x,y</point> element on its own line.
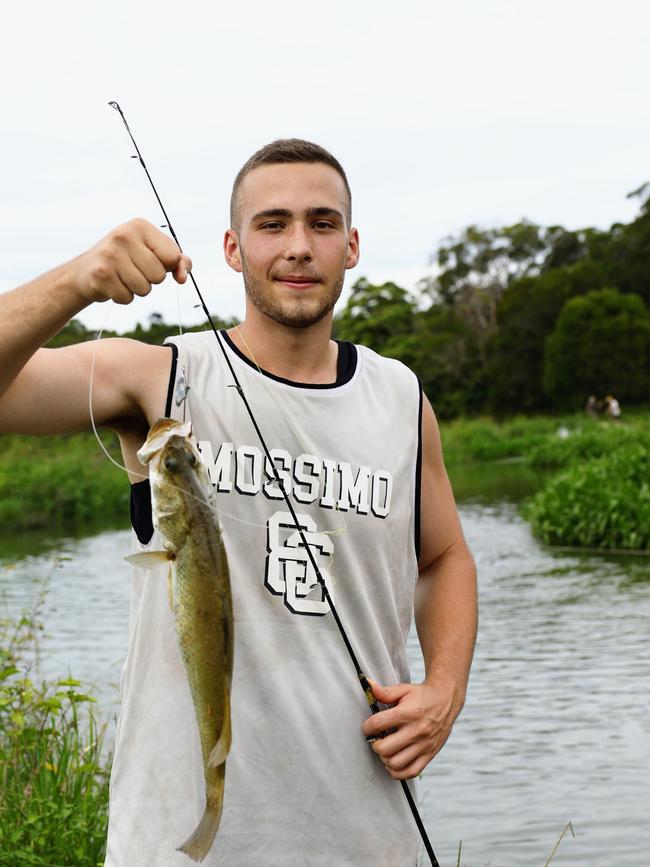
<point>556,727</point>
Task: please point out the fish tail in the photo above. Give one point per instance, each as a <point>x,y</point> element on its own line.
<point>198,843</point>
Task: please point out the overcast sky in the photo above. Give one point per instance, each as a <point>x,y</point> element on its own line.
<point>443,114</point>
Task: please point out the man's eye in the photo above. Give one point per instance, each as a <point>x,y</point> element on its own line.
<point>323,224</point>
<point>273,225</point>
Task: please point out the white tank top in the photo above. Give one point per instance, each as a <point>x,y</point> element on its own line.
<point>302,785</point>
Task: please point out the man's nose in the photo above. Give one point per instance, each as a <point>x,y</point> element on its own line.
<point>298,244</point>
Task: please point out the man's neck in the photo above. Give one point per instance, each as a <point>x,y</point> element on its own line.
<point>306,355</point>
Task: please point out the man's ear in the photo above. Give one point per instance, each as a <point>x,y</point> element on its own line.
<point>231,250</point>
<point>353,249</point>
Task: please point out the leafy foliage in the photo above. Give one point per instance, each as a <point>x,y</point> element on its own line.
<point>527,315</point>
<point>600,344</point>
<point>155,332</point>
<point>53,777</point>
<point>600,503</point>
<point>591,440</point>
<point>59,482</point>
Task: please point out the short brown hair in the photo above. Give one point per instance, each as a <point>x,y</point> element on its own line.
<point>286,150</point>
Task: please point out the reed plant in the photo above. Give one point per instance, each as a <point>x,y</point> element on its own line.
<point>53,776</point>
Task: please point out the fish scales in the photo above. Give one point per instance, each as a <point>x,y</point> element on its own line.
<point>185,516</point>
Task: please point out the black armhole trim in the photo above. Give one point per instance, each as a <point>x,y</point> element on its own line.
<point>418,475</point>
<point>172,379</point>
<point>140,507</point>
<point>140,499</point>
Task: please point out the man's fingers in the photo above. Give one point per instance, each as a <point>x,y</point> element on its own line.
<point>164,247</point>
<point>405,757</point>
<point>183,269</point>
<point>146,261</point>
<point>121,293</point>
<point>390,694</point>
<point>411,770</point>
<point>394,742</point>
<point>133,279</point>
<point>380,722</point>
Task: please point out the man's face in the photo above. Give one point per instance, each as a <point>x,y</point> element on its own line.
<point>292,244</point>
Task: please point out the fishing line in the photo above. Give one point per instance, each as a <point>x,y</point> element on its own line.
<point>90,399</point>
<point>120,466</point>
<point>363,680</point>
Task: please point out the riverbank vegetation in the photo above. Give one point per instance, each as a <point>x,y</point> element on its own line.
<point>596,488</point>
<point>60,483</point>
<point>53,777</point>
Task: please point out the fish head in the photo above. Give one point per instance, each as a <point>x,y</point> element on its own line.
<point>178,477</point>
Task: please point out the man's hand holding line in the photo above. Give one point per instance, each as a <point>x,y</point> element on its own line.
<point>126,263</point>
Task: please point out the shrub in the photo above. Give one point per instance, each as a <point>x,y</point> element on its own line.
<point>591,442</point>
<point>601,503</point>
<point>53,778</point>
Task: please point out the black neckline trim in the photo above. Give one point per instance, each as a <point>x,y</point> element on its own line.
<point>346,365</point>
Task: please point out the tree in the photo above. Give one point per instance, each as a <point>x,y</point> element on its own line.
<point>477,266</point>
<point>375,315</point>
<point>527,314</point>
<point>600,344</point>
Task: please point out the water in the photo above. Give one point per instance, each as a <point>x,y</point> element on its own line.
<point>556,726</point>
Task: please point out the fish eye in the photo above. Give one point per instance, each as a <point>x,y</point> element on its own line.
<point>171,464</point>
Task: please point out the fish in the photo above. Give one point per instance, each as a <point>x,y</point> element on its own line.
<point>184,513</point>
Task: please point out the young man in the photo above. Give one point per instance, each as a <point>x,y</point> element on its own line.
<point>358,450</point>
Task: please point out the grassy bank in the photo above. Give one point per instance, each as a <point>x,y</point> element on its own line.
<point>53,778</point>
<point>59,483</point>
<point>598,493</point>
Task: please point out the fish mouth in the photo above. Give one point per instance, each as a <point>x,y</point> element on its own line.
<point>159,434</point>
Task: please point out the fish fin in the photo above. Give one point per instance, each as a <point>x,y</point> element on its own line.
<point>221,749</point>
<point>199,842</point>
<point>148,559</point>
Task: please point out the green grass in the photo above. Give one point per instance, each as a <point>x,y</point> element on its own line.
<point>59,483</point>
<point>53,777</point>
<point>597,495</point>
<point>484,439</point>
<point>603,502</point>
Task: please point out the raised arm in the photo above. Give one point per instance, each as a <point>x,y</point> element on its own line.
<point>446,621</point>
<point>45,391</point>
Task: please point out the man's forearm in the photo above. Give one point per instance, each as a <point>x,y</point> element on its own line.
<point>31,315</point>
<point>446,619</point>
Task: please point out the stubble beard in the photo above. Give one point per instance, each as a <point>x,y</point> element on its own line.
<point>297,313</point>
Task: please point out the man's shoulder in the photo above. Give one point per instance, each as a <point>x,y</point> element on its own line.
<point>385,364</point>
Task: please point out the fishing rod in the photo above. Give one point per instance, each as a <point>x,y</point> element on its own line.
<point>363,680</point>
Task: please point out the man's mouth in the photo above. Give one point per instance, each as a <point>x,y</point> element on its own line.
<point>297,281</point>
